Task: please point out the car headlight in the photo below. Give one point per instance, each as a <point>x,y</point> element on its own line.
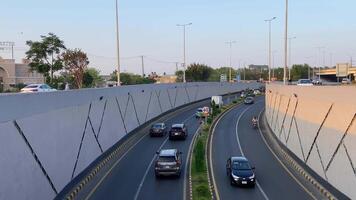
<point>236,178</point>
<point>251,177</point>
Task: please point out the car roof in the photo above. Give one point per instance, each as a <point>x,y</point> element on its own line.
<point>168,152</point>
<point>160,123</point>
<point>177,125</point>
<point>240,158</point>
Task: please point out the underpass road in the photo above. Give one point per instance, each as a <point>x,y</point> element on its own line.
<point>133,176</point>
<point>235,136</point>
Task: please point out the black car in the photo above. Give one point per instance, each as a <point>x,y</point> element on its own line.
<point>240,172</point>
<point>178,131</point>
<point>158,129</point>
<point>249,100</point>
<point>168,163</point>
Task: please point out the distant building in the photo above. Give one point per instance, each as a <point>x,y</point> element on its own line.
<point>12,73</point>
<point>166,79</point>
<point>258,67</point>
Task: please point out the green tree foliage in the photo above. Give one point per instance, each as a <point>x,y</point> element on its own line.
<point>91,78</point>
<point>179,75</point>
<point>198,72</point>
<point>131,79</point>
<point>299,72</point>
<point>45,56</point>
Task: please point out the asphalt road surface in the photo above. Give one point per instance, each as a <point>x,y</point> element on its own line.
<point>235,136</point>
<point>133,176</point>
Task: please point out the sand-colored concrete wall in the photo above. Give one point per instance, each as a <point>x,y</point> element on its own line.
<point>318,124</point>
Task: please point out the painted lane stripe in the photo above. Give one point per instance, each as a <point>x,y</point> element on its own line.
<point>242,153</point>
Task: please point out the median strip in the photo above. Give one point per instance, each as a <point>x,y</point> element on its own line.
<point>200,184</point>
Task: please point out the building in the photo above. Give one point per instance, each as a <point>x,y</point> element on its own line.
<point>12,73</point>
<point>166,79</point>
<point>258,67</point>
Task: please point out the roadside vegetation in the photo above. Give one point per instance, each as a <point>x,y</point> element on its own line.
<point>199,171</point>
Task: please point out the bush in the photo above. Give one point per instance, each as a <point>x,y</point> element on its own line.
<point>203,191</point>
<point>234,101</point>
<point>199,156</point>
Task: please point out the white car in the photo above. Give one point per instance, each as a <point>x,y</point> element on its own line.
<point>256,92</point>
<point>346,81</point>
<point>37,88</point>
<point>305,82</point>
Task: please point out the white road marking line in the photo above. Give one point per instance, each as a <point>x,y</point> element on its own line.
<point>287,170</point>
<point>186,164</point>
<point>242,153</point>
<point>150,165</point>
<point>147,170</point>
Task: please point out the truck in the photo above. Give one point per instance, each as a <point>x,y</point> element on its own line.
<point>217,100</point>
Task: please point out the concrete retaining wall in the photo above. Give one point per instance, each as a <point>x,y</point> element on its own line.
<point>47,139</point>
<point>318,125</point>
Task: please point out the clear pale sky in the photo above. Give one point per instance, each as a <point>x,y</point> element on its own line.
<point>149,28</point>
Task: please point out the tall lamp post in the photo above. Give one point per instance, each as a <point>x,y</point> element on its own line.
<point>230,43</point>
<point>290,55</point>
<point>270,47</point>
<point>184,45</point>
<point>117,43</point>
<point>319,59</point>
<point>285,45</point>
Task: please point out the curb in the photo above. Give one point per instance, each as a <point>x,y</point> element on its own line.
<point>295,165</point>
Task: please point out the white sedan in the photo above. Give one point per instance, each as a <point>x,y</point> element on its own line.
<point>37,88</point>
<point>305,82</point>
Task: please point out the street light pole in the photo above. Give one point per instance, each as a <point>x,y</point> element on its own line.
<point>319,59</point>
<point>117,44</point>
<point>230,71</point>
<point>285,45</point>
<point>290,56</point>
<point>270,46</point>
<point>184,51</point>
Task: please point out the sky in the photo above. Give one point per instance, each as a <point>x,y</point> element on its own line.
<point>148,28</point>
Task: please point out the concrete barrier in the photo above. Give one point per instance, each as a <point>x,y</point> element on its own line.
<point>47,139</point>
<point>318,125</point>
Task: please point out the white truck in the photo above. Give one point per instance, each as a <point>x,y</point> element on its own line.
<point>218,100</point>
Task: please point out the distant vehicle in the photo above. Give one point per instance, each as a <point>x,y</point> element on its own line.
<point>178,131</point>
<point>240,171</point>
<point>249,100</point>
<point>158,129</point>
<point>168,163</point>
<point>317,82</point>
<point>304,82</point>
<point>218,100</point>
<point>37,88</point>
<point>346,81</point>
<point>243,95</point>
<point>256,92</point>
<point>199,113</point>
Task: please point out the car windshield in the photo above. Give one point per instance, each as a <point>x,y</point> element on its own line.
<point>166,159</point>
<point>305,81</point>
<point>31,86</point>
<point>241,165</point>
<point>157,126</point>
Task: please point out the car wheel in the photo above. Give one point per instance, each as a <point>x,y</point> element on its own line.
<point>157,175</point>
<point>232,182</point>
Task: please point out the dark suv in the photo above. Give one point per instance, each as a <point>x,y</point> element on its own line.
<point>158,129</point>
<point>168,163</point>
<point>240,172</point>
<point>178,131</point>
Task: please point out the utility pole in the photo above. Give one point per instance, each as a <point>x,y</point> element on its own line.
<point>269,47</point>
<point>230,73</point>
<point>184,51</point>
<point>285,46</point>
<point>290,56</point>
<point>143,66</point>
<point>319,59</point>
<point>117,43</point>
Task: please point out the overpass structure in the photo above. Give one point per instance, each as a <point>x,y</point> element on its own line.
<point>330,74</point>
<point>49,139</point>
<point>318,125</point>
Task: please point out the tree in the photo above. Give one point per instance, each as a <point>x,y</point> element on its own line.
<point>131,79</point>
<point>44,56</point>
<point>76,63</point>
<point>198,72</point>
<point>299,72</point>
<point>179,75</point>
<point>91,78</point>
